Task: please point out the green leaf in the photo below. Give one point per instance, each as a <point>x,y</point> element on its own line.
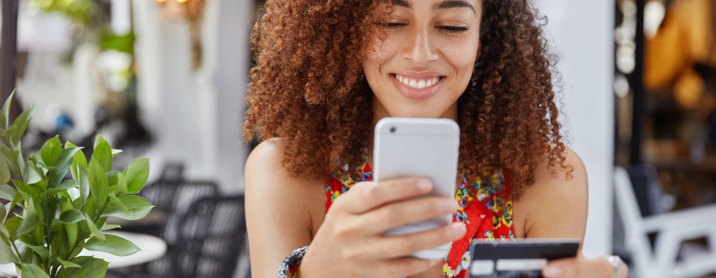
<point>84,185</point>
<point>67,184</point>
<point>21,122</point>
<point>7,192</point>
<point>50,207</point>
<point>77,159</point>
<point>137,208</point>
<point>115,152</point>
<point>67,264</point>
<point>89,208</point>
<point>98,183</point>
<point>31,270</point>
<point>26,190</point>
<point>50,151</point>
<point>41,251</point>
<point>6,254</point>
<point>103,154</point>
<point>71,230</point>
<point>113,200</point>
<point>11,157</point>
<point>11,225</point>
<point>71,216</point>
<point>93,228</point>
<point>89,268</point>
<point>66,158</point>
<point>112,244</point>
<point>121,185</point>
<point>6,110</point>
<point>108,227</point>
<point>98,140</point>
<point>63,163</point>
<point>18,198</point>
<point>4,171</point>
<point>136,174</point>
<point>10,133</point>
<point>3,230</point>
<point>35,174</point>
<point>28,224</point>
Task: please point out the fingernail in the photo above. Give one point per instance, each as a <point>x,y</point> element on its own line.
<point>553,271</point>
<point>424,185</point>
<point>458,229</point>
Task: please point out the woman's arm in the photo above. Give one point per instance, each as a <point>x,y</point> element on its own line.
<point>278,208</point>
<point>556,207</point>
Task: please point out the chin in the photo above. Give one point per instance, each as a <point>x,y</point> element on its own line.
<point>416,112</point>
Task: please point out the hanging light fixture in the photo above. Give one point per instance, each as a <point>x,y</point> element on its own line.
<point>191,11</point>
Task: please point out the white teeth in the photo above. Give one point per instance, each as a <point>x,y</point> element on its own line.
<point>417,84</point>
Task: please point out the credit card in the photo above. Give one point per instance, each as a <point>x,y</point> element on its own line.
<point>522,258</point>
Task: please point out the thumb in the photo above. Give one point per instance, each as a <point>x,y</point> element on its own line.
<point>578,267</point>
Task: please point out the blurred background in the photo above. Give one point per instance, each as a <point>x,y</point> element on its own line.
<point>167,79</point>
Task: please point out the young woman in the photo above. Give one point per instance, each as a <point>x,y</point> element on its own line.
<point>327,71</point>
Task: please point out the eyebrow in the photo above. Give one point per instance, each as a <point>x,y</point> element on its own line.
<point>446,4</point>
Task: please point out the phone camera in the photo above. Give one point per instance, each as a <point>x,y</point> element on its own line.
<point>392,129</point>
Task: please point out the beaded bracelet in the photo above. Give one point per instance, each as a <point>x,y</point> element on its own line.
<point>289,267</point>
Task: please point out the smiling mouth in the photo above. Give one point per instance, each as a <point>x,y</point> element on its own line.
<point>418,83</point>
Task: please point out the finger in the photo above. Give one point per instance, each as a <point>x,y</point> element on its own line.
<point>398,214</point>
<point>407,266</point>
<point>404,245</point>
<point>368,195</point>
<point>577,267</point>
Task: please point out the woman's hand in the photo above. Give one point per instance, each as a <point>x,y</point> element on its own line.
<point>350,243</point>
<point>581,267</point>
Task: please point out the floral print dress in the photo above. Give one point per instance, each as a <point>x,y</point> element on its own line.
<point>485,210</point>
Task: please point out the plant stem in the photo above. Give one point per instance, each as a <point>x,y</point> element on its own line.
<point>19,258</point>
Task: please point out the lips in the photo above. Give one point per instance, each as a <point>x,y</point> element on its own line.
<point>417,85</point>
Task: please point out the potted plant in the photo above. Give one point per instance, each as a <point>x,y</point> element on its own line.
<point>59,217</point>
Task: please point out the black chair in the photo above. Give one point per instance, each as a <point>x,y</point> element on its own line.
<point>174,198</point>
<point>210,238</point>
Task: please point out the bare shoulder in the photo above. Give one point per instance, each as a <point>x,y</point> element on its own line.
<point>555,206</point>
<point>280,209</point>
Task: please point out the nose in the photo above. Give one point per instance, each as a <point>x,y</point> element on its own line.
<point>420,49</point>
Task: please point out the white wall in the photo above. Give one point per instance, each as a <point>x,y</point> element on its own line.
<point>582,35</point>
<point>194,114</point>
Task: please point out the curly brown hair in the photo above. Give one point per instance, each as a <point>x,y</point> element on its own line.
<point>307,87</point>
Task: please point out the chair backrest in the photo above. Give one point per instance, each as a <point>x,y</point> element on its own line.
<point>626,200</point>
<point>210,238</point>
<point>186,193</point>
<point>174,198</point>
<point>635,238</point>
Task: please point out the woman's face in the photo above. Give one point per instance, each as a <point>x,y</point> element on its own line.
<point>422,61</point>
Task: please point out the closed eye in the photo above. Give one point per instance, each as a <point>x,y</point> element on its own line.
<point>453,29</point>
<point>391,25</point>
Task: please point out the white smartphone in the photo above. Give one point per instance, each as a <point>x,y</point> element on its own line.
<point>416,147</point>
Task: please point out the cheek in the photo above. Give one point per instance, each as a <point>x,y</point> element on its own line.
<point>461,56</point>
<point>378,56</point>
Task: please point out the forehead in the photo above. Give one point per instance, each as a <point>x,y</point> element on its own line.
<point>440,4</point>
